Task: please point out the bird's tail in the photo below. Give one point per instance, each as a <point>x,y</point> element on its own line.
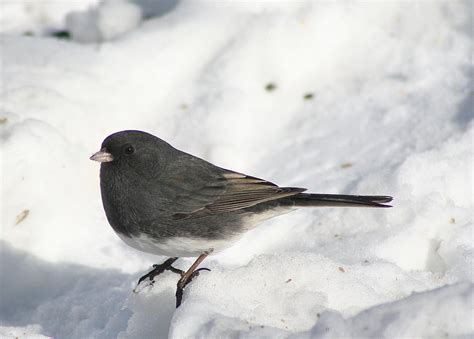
<point>341,200</point>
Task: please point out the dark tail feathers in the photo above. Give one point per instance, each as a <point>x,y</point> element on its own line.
<point>322,200</point>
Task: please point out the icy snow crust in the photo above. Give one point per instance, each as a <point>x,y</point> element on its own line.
<point>365,98</point>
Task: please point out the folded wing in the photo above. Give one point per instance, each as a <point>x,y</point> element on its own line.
<point>216,191</point>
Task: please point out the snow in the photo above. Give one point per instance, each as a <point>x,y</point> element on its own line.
<point>416,316</point>
<point>337,97</point>
<point>18,332</point>
<point>21,16</point>
<point>100,24</point>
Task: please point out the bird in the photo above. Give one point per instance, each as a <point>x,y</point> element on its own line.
<point>166,202</point>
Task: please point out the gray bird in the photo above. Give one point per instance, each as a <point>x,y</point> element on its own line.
<point>163,201</point>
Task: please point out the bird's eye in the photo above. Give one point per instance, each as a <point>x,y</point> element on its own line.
<point>128,150</point>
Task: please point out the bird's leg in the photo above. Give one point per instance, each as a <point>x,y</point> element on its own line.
<point>158,269</point>
<point>188,276</point>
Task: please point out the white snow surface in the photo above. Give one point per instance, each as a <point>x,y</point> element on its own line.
<point>111,19</point>
<point>367,98</point>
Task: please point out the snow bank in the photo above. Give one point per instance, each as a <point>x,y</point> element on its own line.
<point>434,314</point>
<point>362,98</point>
<point>437,313</point>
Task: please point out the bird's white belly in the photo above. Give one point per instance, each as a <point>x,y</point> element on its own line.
<point>177,246</point>
<point>193,247</point>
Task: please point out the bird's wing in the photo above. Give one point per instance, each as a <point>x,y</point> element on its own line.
<point>213,190</point>
<point>244,191</point>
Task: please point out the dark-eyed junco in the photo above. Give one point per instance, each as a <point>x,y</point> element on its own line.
<point>164,201</point>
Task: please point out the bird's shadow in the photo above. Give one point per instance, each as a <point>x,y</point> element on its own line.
<point>75,301</point>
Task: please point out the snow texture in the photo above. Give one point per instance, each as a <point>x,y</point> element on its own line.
<point>109,20</point>
<point>338,97</point>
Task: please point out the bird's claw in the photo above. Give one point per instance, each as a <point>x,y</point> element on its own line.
<point>148,279</point>
<point>183,283</point>
<point>141,286</point>
<point>199,269</point>
<point>157,270</point>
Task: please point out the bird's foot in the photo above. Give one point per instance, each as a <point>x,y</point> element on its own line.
<point>148,279</point>
<point>183,282</point>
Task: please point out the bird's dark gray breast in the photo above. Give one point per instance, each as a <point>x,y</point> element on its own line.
<point>136,205</point>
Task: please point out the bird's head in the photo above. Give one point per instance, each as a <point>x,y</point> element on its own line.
<point>134,149</point>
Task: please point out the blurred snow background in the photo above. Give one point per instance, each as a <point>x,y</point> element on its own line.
<point>337,97</point>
